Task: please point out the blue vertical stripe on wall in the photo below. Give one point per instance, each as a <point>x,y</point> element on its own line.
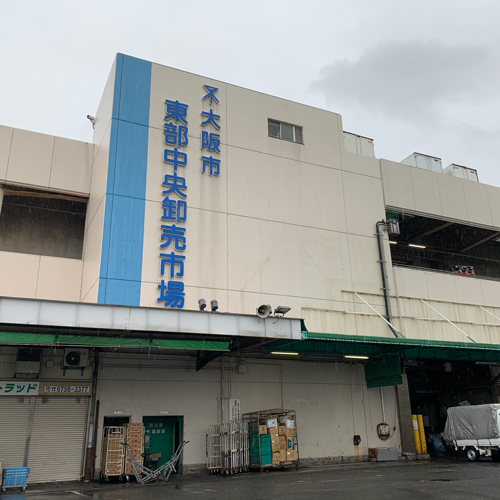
<point>123,231</point>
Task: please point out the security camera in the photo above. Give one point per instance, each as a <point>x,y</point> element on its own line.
<point>92,120</point>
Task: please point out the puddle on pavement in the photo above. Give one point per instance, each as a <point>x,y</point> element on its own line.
<point>436,480</point>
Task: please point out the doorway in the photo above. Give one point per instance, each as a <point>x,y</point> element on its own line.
<point>163,435</point>
<point>115,421</point>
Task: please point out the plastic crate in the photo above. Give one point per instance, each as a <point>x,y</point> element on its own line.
<point>15,477</point>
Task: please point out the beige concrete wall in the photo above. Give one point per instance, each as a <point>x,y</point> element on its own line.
<point>439,195</point>
<point>40,277</point>
<point>331,399</point>
<point>44,162</point>
<point>98,181</point>
<point>284,222</point>
<point>47,163</point>
<point>472,304</point>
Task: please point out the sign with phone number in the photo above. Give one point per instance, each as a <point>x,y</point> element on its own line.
<point>11,388</point>
<point>66,389</point>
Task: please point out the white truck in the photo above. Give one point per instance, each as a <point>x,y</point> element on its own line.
<point>475,430</point>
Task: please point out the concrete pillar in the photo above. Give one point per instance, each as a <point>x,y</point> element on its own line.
<point>405,419</point>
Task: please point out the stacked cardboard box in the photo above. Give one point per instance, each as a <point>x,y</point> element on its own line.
<point>135,439</point>
<point>289,441</point>
<point>272,440</point>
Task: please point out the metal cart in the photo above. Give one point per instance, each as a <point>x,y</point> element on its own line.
<point>274,449</point>
<point>144,474</point>
<point>227,449</point>
<point>112,458</point>
<point>15,477</point>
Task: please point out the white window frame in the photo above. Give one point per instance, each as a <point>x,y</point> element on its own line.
<point>294,129</point>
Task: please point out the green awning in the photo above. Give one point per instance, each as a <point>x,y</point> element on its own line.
<point>387,347</point>
<point>42,339</point>
<point>383,372</point>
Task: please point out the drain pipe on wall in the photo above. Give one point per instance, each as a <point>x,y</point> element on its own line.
<point>89,457</point>
<point>381,225</point>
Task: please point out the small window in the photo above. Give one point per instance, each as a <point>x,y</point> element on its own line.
<point>285,131</point>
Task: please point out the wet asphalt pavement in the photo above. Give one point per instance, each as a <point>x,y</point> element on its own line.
<point>445,479</point>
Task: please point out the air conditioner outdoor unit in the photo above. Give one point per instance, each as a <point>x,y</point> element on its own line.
<point>75,358</point>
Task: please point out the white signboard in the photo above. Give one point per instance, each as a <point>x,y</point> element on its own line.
<point>9,388</point>
<point>67,389</point>
<point>234,411</point>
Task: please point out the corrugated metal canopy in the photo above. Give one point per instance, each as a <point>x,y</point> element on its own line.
<point>332,344</point>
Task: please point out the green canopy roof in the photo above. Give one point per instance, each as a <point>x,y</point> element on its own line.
<point>41,339</point>
<point>384,347</point>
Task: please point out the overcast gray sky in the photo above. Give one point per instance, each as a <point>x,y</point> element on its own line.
<point>415,76</point>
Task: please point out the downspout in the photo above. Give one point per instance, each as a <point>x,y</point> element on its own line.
<point>383,270</point>
<point>89,456</point>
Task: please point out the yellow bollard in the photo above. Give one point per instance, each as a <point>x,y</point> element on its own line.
<point>416,435</point>
<point>421,431</point>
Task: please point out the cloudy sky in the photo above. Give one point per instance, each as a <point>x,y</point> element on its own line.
<point>415,76</point>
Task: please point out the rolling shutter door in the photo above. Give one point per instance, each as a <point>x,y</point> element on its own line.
<point>57,439</point>
<point>14,421</point>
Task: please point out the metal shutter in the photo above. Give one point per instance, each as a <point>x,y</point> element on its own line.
<point>14,420</point>
<point>57,439</point>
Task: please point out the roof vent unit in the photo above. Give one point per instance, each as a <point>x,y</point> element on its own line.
<point>425,162</point>
<point>358,144</point>
<point>76,358</point>
<point>469,174</point>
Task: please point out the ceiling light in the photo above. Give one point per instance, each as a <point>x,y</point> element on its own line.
<point>416,246</point>
<point>284,353</point>
<point>352,356</point>
<point>393,242</point>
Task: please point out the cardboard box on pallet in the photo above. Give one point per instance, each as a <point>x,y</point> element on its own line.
<point>138,425</point>
<point>287,420</point>
<point>283,442</point>
<point>263,429</point>
<point>136,442</point>
<point>276,458</point>
<point>282,430</point>
<point>275,445</point>
<point>272,422</point>
<point>290,432</point>
<point>283,455</point>
<point>273,431</point>
<point>292,455</point>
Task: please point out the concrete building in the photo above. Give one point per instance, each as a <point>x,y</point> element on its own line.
<point>197,189</point>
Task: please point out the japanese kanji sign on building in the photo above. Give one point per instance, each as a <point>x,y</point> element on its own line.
<point>174,186</point>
